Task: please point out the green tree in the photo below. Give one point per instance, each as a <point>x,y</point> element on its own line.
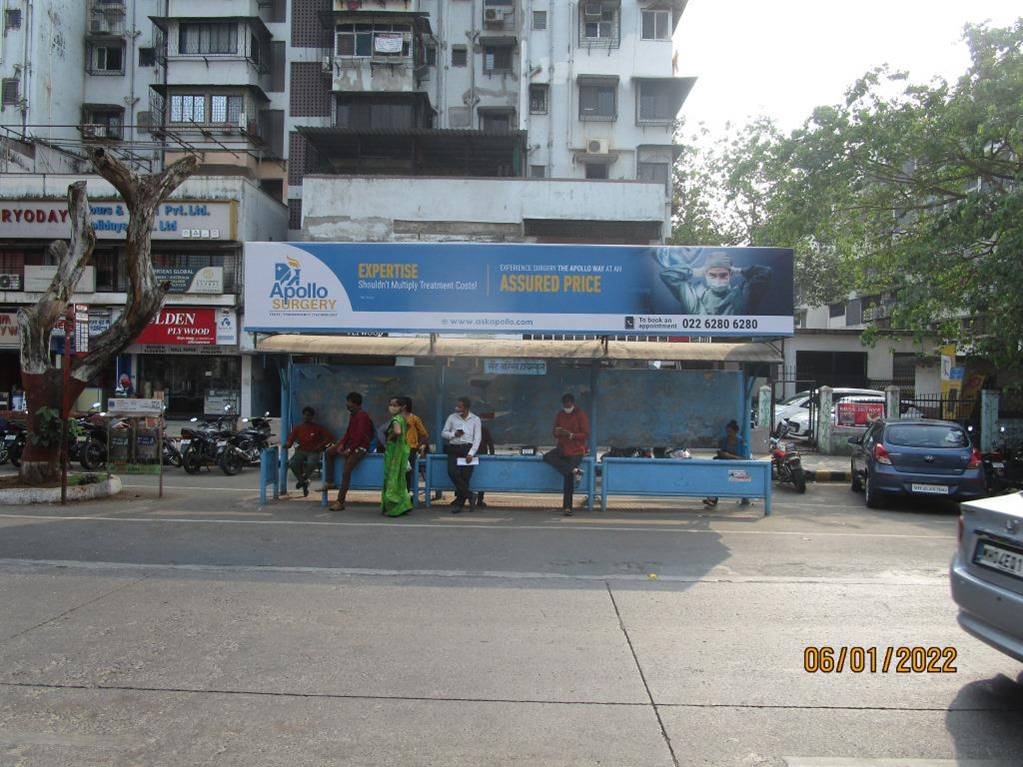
<point>915,190</point>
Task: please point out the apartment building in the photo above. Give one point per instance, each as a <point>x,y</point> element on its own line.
<point>385,95</point>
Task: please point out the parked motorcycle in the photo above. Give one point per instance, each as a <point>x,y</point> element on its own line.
<point>203,446</point>
<point>1003,468</point>
<point>253,437</point>
<point>628,452</point>
<point>12,442</point>
<point>675,453</point>
<point>171,453</point>
<point>90,446</point>
<point>787,464</point>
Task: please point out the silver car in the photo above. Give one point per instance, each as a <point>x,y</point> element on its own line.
<point>987,572</point>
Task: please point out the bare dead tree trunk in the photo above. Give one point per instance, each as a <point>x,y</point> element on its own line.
<point>142,196</point>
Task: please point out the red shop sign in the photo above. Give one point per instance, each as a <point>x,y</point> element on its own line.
<point>859,413</point>
<point>184,326</point>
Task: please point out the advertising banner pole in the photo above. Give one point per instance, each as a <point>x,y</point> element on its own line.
<point>65,406</point>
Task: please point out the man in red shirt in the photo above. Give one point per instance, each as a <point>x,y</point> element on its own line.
<point>572,432</point>
<point>311,439</point>
<point>353,445</point>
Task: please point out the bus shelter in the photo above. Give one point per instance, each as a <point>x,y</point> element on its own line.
<point>469,313</point>
<point>636,393</point>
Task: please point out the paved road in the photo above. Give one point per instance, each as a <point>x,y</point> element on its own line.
<point>203,629</point>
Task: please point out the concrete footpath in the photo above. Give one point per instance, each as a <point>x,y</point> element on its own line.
<point>205,629</point>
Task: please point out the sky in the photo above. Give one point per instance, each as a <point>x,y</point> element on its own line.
<point>781,58</point>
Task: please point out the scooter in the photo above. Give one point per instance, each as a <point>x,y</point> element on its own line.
<point>787,464</point>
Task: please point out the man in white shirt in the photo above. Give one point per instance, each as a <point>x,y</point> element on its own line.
<point>463,432</point>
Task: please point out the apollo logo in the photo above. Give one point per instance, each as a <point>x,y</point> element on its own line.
<point>290,294</point>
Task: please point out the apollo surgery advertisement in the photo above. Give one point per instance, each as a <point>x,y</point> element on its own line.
<point>442,287</point>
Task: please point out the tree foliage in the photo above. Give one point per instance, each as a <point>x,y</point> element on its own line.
<point>913,190</point>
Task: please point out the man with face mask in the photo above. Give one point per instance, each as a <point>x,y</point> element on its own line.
<point>717,288</point>
<point>572,432</point>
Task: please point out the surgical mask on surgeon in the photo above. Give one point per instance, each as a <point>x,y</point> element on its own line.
<point>718,284</point>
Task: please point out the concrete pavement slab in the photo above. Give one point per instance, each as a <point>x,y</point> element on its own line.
<point>751,737</point>
<point>743,644</point>
<point>375,637</point>
<point>118,728</point>
<point>32,597</point>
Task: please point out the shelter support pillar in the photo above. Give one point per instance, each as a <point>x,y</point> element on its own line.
<point>594,383</point>
<point>286,383</point>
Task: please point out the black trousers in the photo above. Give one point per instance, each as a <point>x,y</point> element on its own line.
<point>566,466</point>
<point>460,475</point>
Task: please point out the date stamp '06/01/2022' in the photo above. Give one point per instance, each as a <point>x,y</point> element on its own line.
<point>826,659</point>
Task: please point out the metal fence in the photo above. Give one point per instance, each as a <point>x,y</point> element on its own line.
<point>944,407</point>
<point>1010,404</point>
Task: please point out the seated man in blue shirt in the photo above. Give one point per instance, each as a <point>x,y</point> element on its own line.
<point>732,448</point>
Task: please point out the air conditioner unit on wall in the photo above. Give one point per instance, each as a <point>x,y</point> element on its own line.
<point>92,130</point>
<point>598,146</point>
<point>10,282</point>
<point>495,15</point>
<point>593,11</point>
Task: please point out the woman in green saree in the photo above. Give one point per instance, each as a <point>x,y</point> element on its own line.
<point>394,497</point>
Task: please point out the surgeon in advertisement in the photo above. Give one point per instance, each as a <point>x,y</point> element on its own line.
<point>715,288</point>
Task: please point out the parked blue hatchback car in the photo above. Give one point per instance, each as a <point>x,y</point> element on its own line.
<point>916,457</point>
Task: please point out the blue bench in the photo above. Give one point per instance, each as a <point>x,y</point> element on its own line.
<point>697,478</point>
<point>368,475</point>
<point>509,474</point>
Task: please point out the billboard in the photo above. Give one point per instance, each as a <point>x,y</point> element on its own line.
<point>487,288</point>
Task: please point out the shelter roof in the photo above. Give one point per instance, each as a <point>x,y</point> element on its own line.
<point>588,349</point>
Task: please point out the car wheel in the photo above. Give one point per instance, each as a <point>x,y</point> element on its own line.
<point>871,497</point>
<point>857,482</point>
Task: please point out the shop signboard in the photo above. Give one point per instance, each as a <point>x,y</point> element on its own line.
<point>518,288</point>
<point>188,279</point>
<point>134,406</point>
<point>859,413</point>
<point>191,326</point>
<point>175,219</point>
<point>89,323</point>
<point>9,330</point>
<point>38,279</point>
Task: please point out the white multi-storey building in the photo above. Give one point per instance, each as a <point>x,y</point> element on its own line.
<point>483,88</point>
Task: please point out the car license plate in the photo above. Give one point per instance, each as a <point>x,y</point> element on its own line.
<point>186,442</point>
<point>930,489</point>
<point>997,558</point>
<point>998,465</point>
<point>221,444</point>
<point>9,438</point>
